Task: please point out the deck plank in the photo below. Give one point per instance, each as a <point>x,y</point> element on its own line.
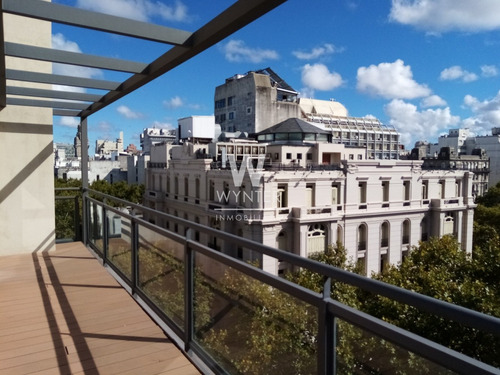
<point>62,313</point>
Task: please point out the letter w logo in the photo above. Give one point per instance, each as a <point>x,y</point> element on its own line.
<point>238,174</point>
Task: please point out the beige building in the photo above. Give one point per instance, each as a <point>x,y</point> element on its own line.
<point>26,181</point>
<point>296,190</point>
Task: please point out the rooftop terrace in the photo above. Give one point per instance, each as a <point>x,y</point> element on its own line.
<point>63,313</point>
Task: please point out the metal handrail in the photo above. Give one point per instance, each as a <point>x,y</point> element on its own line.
<point>436,353</point>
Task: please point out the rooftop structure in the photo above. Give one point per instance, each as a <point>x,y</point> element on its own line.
<point>153,136</point>
<point>257,100</point>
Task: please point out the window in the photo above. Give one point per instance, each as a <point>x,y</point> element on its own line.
<point>360,157</point>
<point>449,224</point>
<point>335,194</point>
<point>223,117</point>
<point>406,190</point>
<point>309,156</point>
<point>289,155</point>
<point>220,103</point>
<point>362,236</point>
<point>362,192</point>
<point>316,238</point>
<point>385,191</point>
<point>425,189</point>
<point>249,110</point>
<point>282,196</point>
<point>176,185</point>
<point>458,185</point>
<point>299,156</point>
<point>211,191</point>
<point>384,235</point>
<point>230,101</point>
<point>197,188</point>
<point>351,156</point>
<point>231,115</point>
<point>186,186</point>
<point>310,195</point>
<point>423,230</point>
<point>406,232</point>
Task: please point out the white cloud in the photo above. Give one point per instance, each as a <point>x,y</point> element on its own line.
<point>60,42</point>
<point>416,125</point>
<point>391,81</point>
<point>173,103</point>
<point>433,101</point>
<point>489,71</point>
<point>486,113</point>
<point>457,73</point>
<point>128,113</point>
<point>70,122</point>
<point>318,77</point>
<point>447,15</point>
<point>140,10</point>
<point>238,51</point>
<point>317,52</point>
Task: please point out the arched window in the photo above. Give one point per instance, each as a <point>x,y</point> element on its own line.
<point>384,234</point>
<point>423,230</point>
<point>362,237</point>
<point>406,232</point>
<point>316,238</point>
<point>340,234</point>
<point>449,224</point>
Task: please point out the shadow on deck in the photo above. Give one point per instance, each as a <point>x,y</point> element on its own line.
<point>62,313</point>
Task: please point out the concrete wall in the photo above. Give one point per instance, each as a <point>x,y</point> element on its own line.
<point>27,221</point>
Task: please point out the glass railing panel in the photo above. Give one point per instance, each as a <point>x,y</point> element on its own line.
<point>161,273</point>
<point>67,214</point>
<point>361,352</point>
<point>249,327</point>
<point>120,243</point>
<point>96,227</point>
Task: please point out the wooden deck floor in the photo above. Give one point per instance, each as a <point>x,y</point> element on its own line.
<point>62,313</point>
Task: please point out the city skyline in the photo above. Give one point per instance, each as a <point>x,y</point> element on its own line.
<point>389,59</point>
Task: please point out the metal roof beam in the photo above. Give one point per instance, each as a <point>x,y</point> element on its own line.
<point>54,94</point>
<point>46,103</point>
<point>72,58</point>
<point>65,113</point>
<point>232,19</point>
<point>56,79</point>
<point>92,20</point>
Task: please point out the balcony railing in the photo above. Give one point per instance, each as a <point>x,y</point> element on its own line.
<point>232,317</point>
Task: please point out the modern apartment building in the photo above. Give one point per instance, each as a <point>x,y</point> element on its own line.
<point>295,189</point>
<point>256,100</point>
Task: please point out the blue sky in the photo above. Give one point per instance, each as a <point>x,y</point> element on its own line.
<point>423,66</point>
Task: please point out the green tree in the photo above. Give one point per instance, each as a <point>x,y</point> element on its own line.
<point>440,269</point>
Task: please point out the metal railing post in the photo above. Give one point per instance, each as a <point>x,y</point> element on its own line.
<point>188,291</point>
<point>326,334</point>
<point>105,235</point>
<point>134,228</point>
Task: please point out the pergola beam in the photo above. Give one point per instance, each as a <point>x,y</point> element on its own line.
<point>232,19</point>
<point>53,94</point>
<point>56,79</point>
<point>97,21</point>
<point>72,58</point>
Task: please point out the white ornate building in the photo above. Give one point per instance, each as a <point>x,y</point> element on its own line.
<point>294,189</point>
